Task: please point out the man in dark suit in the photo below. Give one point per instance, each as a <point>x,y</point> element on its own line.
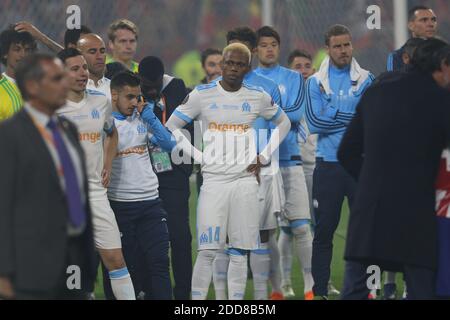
<point>168,93</point>
<point>46,246</point>
<point>393,148</point>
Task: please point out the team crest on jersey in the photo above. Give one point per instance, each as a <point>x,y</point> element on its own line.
<point>282,89</point>
<point>213,106</point>
<point>246,107</point>
<point>141,129</point>
<point>95,114</point>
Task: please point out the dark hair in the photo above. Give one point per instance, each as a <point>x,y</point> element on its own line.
<point>119,25</point>
<point>209,52</point>
<point>71,36</point>
<point>412,11</point>
<point>430,54</point>
<point>151,68</point>
<point>114,68</point>
<point>267,31</point>
<point>334,31</point>
<point>411,46</point>
<point>242,34</point>
<point>11,36</point>
<point>30,68</point>
<point>68,53</point>
<point>125,78</point>
<point>298,53</point>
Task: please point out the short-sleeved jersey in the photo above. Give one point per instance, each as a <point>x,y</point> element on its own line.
<point>10,99</point>
<point>227,124</point>
<point>92,116</point>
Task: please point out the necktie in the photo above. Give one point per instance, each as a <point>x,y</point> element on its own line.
<point>76,210</point>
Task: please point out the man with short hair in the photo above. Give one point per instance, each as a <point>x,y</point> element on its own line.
<point>331,98</point>
<point>133,191</point>
<point>45,215</point>
<point>228,109</point>
<point>302,62</point>
<point>422,23</point>
<point>14,46</point>
<point>211,64</point>
<point>296,210</point>
<point>93,50</point>
<point>123,36</point>
<point>91,112</point>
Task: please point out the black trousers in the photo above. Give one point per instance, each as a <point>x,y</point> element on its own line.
<point>419,280</point>
<point>331,184</point>
<point>145,246</point>
<point>176,204</point>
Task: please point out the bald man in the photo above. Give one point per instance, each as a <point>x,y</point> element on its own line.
<point>94,51</point>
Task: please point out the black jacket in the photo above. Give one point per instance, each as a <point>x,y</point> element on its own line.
<point>393,148</point>
<point>33,211</point>
<point>174,93</point>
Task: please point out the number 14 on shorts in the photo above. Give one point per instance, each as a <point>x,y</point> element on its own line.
<point>207,237</point>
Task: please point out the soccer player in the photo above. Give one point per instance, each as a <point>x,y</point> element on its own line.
<point>91,112</point>
<point>266,258</point>
<point>422,24</point>
<point>133,191</point>
<point>14,46</point>
<point>211,64</point>
<point>332,95</point>
<point>123,36</point>
<point>296,208</point>
<point>93,50</point>
<point>228,109</point>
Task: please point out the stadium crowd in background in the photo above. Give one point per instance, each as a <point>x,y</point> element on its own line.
<point>105,133</point>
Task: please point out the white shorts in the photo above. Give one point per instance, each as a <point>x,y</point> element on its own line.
<point>271,200</point>
<point>106,231</point>
<point>228,209</point>
<point>297,203</point>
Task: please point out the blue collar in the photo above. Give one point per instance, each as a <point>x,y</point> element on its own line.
<point>118,115</point>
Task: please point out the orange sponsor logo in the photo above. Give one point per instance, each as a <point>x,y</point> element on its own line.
<point>91,137</point>
<point>224,127</point>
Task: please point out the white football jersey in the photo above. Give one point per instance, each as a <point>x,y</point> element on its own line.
<point>103,85</point>
<point>92,116</point>
<point>229,144</point>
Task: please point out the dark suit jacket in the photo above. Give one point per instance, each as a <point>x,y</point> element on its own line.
<point>174,93</point>
<point>393,148</point>
<point>34,213</point>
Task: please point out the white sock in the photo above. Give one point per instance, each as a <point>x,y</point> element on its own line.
<point>389,277</point>
<point>237,274</point>
<point>275,270</point>
<point>202,273</point>
<point>303,245</point>
<point>260,265</point>
<point>220,269</point>
<point>121,284</point>
<point>285,246</point>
